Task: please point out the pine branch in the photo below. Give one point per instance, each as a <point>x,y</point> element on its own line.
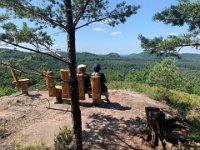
<point>88,23</point>
<point>36,51</point>
<point>191,44</point>
<point>39,15</point>
<point>81,13</point>
<point>26,72</point>
<point>29,72</point>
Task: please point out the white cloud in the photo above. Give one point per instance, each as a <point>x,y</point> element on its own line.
<point>99,29</point>
<point>173,34</point>
<point>116,33</point>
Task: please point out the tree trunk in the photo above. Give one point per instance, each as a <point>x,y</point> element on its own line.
<point>76,113</point>
<point>155,125</point>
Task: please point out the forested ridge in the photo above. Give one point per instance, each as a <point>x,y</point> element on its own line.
<point>131,68</point>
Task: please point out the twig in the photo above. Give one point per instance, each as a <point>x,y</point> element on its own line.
<point>58,109</point>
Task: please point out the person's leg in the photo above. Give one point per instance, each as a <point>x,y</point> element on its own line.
<point>107,96</point>
<point>89,94</point>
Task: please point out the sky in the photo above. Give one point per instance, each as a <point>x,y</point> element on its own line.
<point>100,38</point>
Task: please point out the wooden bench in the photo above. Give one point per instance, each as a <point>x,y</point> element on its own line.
<point>21,83</point>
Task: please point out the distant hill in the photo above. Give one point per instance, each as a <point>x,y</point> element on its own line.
<point>143,56</point>
<point>113,55</point>
<point>109,61</point>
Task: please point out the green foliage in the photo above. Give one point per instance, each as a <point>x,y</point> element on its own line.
<point>63,139</point>
<point>7,91</point>
<point>195,135</point>
<point>26,34</point>
<point>37,147</point>
<point>164,74</point>
<point>137,75</point>
<point>2,132</point>
<point>131,68</point>
<point>4,17</point>
<point>167,46</point>
<point>180,14</point>
<point>185,12</point>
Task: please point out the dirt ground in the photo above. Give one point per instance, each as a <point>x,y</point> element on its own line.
<point>119,125</point>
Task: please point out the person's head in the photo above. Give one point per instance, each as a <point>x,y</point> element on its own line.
<point>96,67</point>
<point>81,68</point>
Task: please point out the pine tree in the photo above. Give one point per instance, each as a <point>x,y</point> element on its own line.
<point>185,12</point>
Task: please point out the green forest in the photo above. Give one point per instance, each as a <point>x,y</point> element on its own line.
<point>133,68</point>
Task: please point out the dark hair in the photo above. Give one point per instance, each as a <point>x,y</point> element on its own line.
<point>96,67</point>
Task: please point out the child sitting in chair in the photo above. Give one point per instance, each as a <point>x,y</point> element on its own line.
<point>104,89</point>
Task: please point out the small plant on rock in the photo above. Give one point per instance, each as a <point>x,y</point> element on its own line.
<point>64,139</point>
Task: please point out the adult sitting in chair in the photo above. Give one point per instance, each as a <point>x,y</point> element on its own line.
<point>81,69</point>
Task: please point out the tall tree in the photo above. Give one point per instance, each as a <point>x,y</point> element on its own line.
<point>185,12</point>
<point>65,15</point>
<point>165,74</point>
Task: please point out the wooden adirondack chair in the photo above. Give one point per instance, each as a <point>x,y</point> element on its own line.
<point>65,83</point>
<point>96,88</point>
<point>81,87</point>
<point>53,89</point>
<point>21,83</point>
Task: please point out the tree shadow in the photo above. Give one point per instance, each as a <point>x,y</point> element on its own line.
<point>34,96</point>
<point>108,132</point>
<point>105,105</point>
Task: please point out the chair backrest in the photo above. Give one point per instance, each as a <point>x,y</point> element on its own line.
<point>64,75</point>
<point>81,87</point>
<point>14,76</point>
<point>51,83</point>
<point>96,88</point>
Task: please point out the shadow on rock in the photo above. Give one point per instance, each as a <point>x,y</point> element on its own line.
<point>105,105</point>
<point>107,132</point>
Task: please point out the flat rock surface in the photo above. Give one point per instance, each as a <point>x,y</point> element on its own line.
<point>118,125</point>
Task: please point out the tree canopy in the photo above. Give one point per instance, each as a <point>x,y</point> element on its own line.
<point>186,12</point>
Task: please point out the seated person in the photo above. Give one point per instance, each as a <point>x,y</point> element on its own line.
<point>104,89</point>
<point>81,69</point>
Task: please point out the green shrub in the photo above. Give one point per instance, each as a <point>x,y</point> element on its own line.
<point>37,147</point>
<point>7,91</point>
<point>158,93</point>
<point>63,139</point>
<point>2,132</point>
<point>195,135</point>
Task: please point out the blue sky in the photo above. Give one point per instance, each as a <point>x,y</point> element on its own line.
<point>99,38</point>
